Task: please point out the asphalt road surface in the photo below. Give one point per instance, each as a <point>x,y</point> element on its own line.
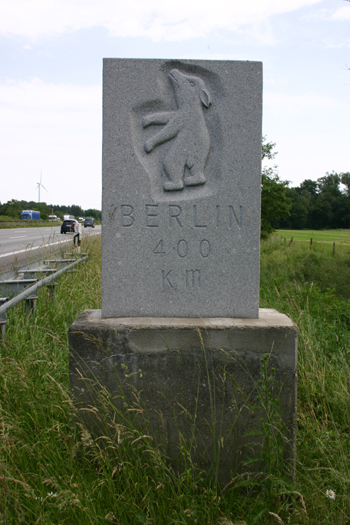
<point>18,245</point>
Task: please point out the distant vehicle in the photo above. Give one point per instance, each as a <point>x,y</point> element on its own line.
<point>66,217</point>
<point>53,218</point>
<point>30,214</point>
<point>81,219</point>
<point>89,222</point>
<point>69,225</point>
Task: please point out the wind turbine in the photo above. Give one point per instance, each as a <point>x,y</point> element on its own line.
<point>39,185</point>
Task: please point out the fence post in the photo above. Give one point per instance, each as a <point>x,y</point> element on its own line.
<point>310,242</point>
<point>334,248</point>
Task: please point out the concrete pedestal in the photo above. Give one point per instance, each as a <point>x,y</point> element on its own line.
<point>193,382</point>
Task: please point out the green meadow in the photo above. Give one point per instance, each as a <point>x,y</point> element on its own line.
<point>338,236</point>
<point>54,472</point>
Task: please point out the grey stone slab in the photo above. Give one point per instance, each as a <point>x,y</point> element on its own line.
<point>181,188</point>
<point>198,378</point>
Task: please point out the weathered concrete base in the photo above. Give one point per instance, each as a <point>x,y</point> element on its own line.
<point>193,382</point>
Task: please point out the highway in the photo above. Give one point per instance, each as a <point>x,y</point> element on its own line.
<point>21,244</point>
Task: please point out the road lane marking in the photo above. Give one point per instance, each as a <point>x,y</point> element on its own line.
<point>42,246</point>
<point>21,237</point>
<point>33,248</point>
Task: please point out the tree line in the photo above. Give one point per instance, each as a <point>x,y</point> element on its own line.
<point>321,204</point>
<point>13,209</point>
<point>314,205</point>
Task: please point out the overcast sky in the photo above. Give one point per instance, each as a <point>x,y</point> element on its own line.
<point>51,89</point>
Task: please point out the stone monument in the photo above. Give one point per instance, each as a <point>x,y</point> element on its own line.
<point>180,321</point>
<point>181,188</point>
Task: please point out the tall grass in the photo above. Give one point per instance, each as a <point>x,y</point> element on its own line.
<point>312,287</point>
<point>52,471</point>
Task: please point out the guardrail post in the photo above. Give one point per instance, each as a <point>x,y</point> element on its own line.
<point>77,242</point>
<point>3,322</point>
<point>30,292</point>
<point>29,303</point>
<point>52,289</point>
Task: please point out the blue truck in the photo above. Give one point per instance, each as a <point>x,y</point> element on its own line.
<point>30,214</point>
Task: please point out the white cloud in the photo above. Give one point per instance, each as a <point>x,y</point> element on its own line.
<point>56,128</point>
<point>300,103</point>
<point>343,13</point>
<point>155,19</point>
<point>38,97</point>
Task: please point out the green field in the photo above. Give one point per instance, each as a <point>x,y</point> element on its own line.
<point>54,472</point>
<point>338,236</point>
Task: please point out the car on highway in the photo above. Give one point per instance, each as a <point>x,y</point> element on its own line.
<point>69,225</point>
<point>89,222</point>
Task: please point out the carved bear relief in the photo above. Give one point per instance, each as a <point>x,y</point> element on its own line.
<point>176,133</point>
<point>187,130</point>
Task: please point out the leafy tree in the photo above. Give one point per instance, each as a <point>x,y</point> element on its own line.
<point>77,211</point>
<point>309,186</point>
<point>267,149</point>
<point>322,214</point>
<point>42,207</point>
<point>275,203</point>
<point>344,209</point>
<point>12,208</point>
<point>330,182</point>
<point>345,179</point>
<point>320,204</point>
<point>332,205</point>
<point>96,214</point>
<point>298,213</point>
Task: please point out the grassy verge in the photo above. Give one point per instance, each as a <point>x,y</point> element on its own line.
<point>28,224</point>
<point>53,472</point>
<point>310,285</point>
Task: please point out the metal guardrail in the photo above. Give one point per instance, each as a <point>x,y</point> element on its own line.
<point>24,285</point>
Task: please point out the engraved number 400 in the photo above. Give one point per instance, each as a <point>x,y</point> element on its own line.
<point>182,248</point>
